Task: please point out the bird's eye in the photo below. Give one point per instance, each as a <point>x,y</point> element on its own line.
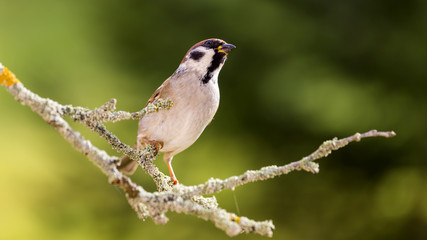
<point>208,43</point>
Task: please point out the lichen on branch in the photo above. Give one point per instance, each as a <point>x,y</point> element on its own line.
<point>181,199</point>
<point>7,77</point>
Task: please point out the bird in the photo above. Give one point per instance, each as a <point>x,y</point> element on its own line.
<point>194,91</point>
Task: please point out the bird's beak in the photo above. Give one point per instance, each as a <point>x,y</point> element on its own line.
<point>226,48</point>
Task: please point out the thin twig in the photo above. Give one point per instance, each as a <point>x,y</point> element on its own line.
<point>306,163</point>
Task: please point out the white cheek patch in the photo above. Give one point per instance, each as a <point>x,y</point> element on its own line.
<point>200,60</point>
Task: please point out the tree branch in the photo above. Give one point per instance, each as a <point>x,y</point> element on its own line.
<point>306,163</point>
<point>180,198</point>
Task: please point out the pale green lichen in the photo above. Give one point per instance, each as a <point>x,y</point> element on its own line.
<point>307,163</point>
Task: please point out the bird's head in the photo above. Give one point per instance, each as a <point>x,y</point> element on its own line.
<point>206,58</point>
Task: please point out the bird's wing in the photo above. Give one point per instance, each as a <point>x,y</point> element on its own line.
<point>159,93</point>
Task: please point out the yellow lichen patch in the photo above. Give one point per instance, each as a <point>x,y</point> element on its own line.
<point>235,219</point>
<point>8,78</point>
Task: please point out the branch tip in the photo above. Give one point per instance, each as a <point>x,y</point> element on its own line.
<point>7,78</point>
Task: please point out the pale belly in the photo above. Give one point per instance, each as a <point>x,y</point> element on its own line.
<point>179,127</point>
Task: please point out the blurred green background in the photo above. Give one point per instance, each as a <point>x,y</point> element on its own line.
<point>303,72</point>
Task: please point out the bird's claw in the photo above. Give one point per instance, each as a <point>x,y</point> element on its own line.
<point>156,144</point>
<point>174,181</point>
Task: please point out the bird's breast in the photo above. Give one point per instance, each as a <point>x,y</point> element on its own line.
<point>195,104</point>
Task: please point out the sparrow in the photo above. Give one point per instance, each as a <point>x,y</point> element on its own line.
<point>193,89</point>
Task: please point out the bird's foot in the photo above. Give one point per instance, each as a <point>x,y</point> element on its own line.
<point>156,144</point>
<point>174,181</point>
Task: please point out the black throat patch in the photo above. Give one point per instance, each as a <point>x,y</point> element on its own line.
<point>217,59</point>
